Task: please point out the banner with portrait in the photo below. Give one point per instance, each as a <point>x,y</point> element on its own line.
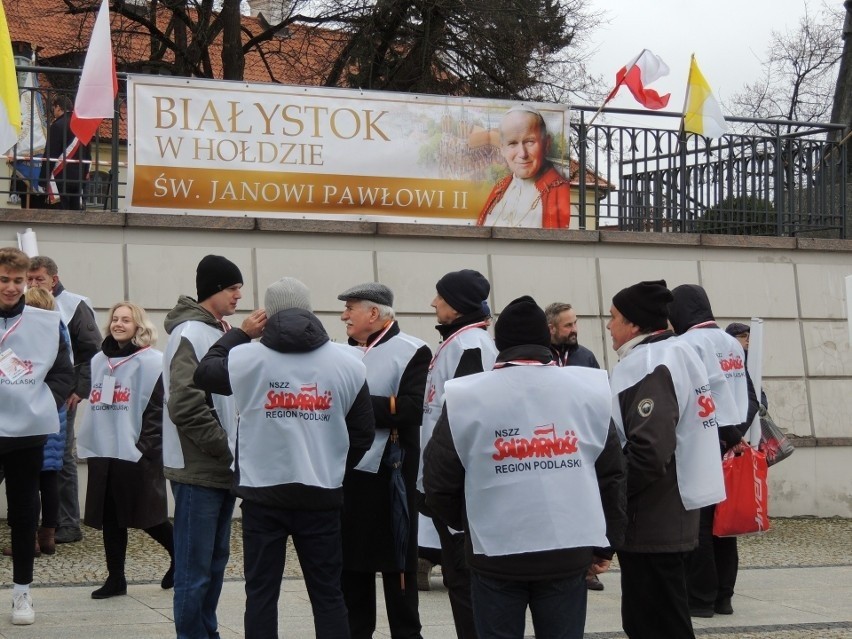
<point>233,148</point>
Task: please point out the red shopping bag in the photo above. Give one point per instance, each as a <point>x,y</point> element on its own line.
<point>744,511</point>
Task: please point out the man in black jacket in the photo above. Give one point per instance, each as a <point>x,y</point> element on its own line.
<point>666,422</point>
<point>69,159</point>
<point>562,321</point>
<point>305,416</point>
<point>526,459</point>
<point>466,348</point>
<point>397,364</point>
<point>712,567</point>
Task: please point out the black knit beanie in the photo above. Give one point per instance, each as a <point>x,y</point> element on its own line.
<point>464,290</point>
<point>645,304</point>
<point>215,273</point>
<point>521,322</point>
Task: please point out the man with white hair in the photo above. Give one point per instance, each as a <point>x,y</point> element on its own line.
<point>305,417</point>
<point>397,364</point>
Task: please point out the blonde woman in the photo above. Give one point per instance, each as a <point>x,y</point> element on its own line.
<point>122,440</point>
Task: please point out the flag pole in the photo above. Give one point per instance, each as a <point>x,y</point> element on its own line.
<point>681,134</point>
<point>686,96</point>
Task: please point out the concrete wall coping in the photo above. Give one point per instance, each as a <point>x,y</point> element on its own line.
<point>402,229</point>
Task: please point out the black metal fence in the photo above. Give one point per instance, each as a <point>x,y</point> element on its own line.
<point>785,180</point>
<point>642,173</point>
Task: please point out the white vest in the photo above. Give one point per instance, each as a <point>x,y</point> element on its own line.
<point>385,362</point>
<point>202,336</point>
<point>528,438</point>
<point>67,303</point>
<point>697,458</point>
<point>724,359</point>
<point>28,407</point>
<point>292,408</point>
<point>113,430</point>
<point>443,367</point>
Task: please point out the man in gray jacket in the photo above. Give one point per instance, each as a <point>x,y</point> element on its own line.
<point>198,433</point>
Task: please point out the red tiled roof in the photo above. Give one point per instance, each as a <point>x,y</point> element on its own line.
<point>302,56</point>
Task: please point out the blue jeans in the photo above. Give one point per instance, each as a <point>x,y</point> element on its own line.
<point>316,537</point>
<point>202,546</point>
<point>558,607</point>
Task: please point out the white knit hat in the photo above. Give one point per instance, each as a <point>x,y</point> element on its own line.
<point>288,292</point>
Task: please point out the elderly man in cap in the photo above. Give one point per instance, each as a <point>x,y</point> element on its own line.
<point>466,348</point>
<point>509,442</point>
<point>396,374</point>
<point>664,414</point>
<point>305,417</point>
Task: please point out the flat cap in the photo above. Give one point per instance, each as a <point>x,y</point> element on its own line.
<point>370,291</point>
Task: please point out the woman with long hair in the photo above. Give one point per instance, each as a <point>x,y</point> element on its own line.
<point>122,440</point>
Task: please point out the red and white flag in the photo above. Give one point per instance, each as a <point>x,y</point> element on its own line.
<point>98,84</point>
<point>637,74</point>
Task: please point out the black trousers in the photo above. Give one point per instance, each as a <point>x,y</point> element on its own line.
<point>316,537</point>
<point>115,537</point>
<point>49,489</point>
<point>654,602</point>
<point>359,591</point>
<point>456,579</point>
<point>21,468</point>
<point>712,567</point>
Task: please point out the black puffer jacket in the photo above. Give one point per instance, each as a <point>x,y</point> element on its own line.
<point>576,355</point>
<point>657,522</point>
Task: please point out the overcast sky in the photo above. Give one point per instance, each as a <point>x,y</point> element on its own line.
<point>729,39</point>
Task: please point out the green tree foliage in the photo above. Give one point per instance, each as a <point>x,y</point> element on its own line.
<point>516,49</point>
<point>739,215</point>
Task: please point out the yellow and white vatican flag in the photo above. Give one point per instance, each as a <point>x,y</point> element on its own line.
<point>701,112</point>
<point>10,107</point>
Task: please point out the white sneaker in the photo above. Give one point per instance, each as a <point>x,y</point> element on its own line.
<point>22,609</point>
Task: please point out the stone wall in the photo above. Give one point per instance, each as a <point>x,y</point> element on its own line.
<point>795,285</point>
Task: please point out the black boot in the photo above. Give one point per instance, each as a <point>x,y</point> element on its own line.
<point>169,578</point>
<point>113,587</point>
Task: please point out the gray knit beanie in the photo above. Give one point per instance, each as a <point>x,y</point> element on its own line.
<point>288,292</point>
